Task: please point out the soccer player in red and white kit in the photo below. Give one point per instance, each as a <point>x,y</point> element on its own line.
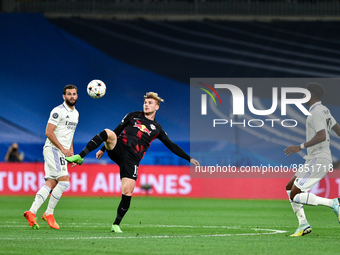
<point>318,160</point>
<point>126,146</point>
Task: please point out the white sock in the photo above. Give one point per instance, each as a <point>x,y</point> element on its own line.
<point>312,199</point>
<point>298,210</point>
<point>40,198</point>
<point>56,195</point>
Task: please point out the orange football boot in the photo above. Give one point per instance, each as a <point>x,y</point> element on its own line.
<point>32,220</point>
<point>50,220</point>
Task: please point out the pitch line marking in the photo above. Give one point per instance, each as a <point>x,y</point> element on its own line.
<point>271,232</point>
<point>97,225</point>
<point>267,232</point>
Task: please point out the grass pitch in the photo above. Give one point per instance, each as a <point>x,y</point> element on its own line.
<point>167,226</point>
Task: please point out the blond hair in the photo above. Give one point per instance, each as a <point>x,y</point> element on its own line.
<point>153,95</point>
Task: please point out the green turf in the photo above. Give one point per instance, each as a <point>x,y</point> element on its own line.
<point>167,226</point>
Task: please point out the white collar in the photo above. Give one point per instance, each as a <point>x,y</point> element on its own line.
<point>67,107</point>
<point>314,105</point>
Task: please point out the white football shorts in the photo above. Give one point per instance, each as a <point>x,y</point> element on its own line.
<point>55,163</point>
<point>311,173</point>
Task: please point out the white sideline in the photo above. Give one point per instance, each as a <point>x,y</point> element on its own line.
<point>267,232</point>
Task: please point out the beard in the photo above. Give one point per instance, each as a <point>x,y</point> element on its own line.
<point>69,103</point>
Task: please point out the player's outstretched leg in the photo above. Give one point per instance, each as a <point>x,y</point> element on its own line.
<point>32,220</point>
<point>311,199</point>
<point>303,230</point>
<point>335,207</point>
<point>95,142</point>
<point>75,159</point>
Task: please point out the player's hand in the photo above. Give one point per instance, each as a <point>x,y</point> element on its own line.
<point>292,149</point>
<point>194,162</point>
<point>99,154</point>
<point>67,153</point>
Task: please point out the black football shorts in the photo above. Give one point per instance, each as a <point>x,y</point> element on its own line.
<point>126,159</point>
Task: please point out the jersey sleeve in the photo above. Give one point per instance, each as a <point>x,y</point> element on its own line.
<point>123,123</point>
<point>333,121</point>
<point>318,122</point>
<point>163,137</point>
<point>55,116</point>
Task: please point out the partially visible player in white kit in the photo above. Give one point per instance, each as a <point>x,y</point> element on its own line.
<point>59,144</point>
<point>318,160</point>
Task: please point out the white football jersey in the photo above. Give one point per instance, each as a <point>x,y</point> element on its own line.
<point>320,119</point>
<point>65,119</point>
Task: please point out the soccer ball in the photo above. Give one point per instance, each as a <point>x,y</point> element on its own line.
<point>96,89</point>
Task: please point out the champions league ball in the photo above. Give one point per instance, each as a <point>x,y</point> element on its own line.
<point>96,89</point>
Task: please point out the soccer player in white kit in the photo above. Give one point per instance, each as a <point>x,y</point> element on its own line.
<point>59,144</point>
<point>318,160</point>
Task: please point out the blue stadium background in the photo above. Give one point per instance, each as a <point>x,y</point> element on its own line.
<point>40,56</point>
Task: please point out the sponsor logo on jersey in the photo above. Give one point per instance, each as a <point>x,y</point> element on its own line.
<point>142,128</point>
<point>71,125</point>
<point>55,115</point>
<point>153,127</point>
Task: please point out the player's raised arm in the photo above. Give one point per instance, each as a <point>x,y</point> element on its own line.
<point>163,137</point>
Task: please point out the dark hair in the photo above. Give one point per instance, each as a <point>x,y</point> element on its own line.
<point>70,86</point>
<point>316,89</point>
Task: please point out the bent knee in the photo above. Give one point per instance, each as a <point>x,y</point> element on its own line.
<point>289,185</point>
<point>127,193</point>
<point>111,141</point>
<point>111,136</point>
<point>65,178</point>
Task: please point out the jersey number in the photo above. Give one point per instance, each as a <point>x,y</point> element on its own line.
<point>62,161</point>
<point>329,123</point>
<point>136,171</point>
